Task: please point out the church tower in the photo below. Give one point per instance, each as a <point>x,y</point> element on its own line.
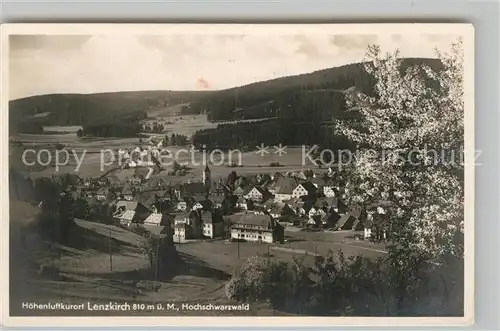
<point>207,178</point>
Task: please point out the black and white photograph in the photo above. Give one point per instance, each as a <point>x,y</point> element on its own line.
<point>253,170</point>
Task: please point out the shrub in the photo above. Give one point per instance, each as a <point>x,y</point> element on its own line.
<point>355,286</point>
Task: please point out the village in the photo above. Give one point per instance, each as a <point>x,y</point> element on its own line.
<point>254,208</point>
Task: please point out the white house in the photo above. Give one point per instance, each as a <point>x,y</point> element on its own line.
<point>197,206</point>
<point>257,194</point>
<point>330,191</point>
<point>303,189</point>
<point>242,203</point>
<point>283,189</point>
<point>181,206</point>
<point>316,211</point>
<point>261,228</point>
<point>213,225</point>
<point>187,226</point>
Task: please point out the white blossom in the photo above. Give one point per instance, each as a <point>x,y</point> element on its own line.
<point>414,111</point>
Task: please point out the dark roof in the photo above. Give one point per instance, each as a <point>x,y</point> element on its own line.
<point>182,216</point>
<point>284,185</point>
<point>103,190</point>
<point>309,187</point>
<point>346,222</point>
<point>331,216</point>
<point>127,190</point>
<point>141,171</point>
<point>162,206</point>
<point>193,188</point>
<point>199,197</point>
<point>265,221</point>
<point>320,181</point>
<point>147,198</point>
<point>295,203</point>
<point>210,217</point>
<point>331,202</point>
<point>129,205</point>
<point>217,198</point>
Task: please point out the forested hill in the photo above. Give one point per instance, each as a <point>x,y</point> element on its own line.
<point>316,95</point>
<point>307,97</point>
<point>83,109</point>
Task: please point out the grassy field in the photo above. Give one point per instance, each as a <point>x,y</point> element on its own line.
<point>85,272</point>
<point>93,150</point>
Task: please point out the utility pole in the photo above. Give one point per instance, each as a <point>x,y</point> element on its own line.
<point>157,260</point>
<point>110,252</point>
<point>268,256</point>
<point>238,244</point>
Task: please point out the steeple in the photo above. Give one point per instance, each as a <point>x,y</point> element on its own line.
<point>207,178</point>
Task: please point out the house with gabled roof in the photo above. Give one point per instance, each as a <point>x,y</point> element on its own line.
<point>297,206</point>
<point>240,191</point>
<point>333,203</point>
<point>213,224</point>
<point>258,194</point>
<point>372,220</point>
<point>162,206</point>
<point>157,219</point>
<point>217,200</point>
<point>325,186</point>
<point>103,194</point>
<point>127,193</point>
<point>242,203</point>
<point>330,219</point>
<point>316,211</point>
<point>261,228</point>
<point>128,212</point>
<point>147,198</point>
<point>304,189</point>
<point>192,228</point>
<point>345,222</point>
<point>276,209</point>
<point>282,188</point>
<point>183,203</point>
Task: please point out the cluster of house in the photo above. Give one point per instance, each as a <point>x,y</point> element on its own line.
<point>195,209</point>
<point>315,201</point>
<point>308,201</point>
<point>140,157</point>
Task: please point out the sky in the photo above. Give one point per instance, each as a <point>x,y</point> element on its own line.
<point>44,64</point>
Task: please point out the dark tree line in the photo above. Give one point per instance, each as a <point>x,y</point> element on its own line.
<point>153,127</point>
<point>245,136</point>
<point>112,130</point>
<point>178,140</point>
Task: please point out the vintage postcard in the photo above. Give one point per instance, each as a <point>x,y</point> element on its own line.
<point>208,174</point>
